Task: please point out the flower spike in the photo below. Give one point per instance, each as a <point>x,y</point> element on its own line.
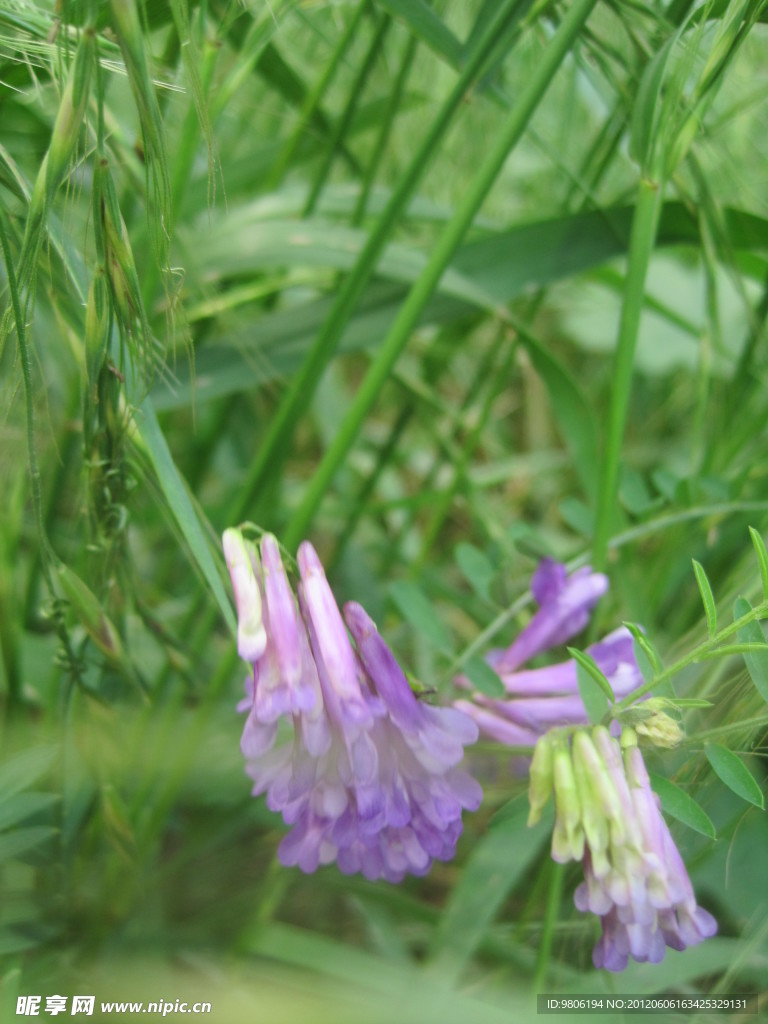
<point>635,880</point>
<point>371,778</point>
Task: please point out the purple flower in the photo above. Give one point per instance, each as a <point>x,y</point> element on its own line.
<point>608,817</point>
<point>565,603</point>
<point>251,637</point>
<point>545,697</point>
<point>541,698</point>
<point>370,778</point>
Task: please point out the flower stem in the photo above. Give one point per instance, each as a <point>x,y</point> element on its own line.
<point>642,239</point>
<point>298,396</point>
<point>441,255</point>
<point>551,913</point>
<point>706,649</point>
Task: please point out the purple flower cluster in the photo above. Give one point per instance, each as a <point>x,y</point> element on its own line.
<point>539,699</point>
<point>608,817</point>
<point>370,777</point>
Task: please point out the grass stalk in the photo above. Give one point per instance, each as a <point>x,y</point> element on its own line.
<point>299,394</point>
<point>385,131</point>
<point>498,380</point>
<point>407,318</point>
<point>314,98</point>
<point>342,126</point>
<point>551,913</point>
<point>643,235</point>
<point>19,316</point>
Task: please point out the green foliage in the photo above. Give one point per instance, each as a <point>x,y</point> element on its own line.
<point>678,804</point>
<point>445,287</point>
<point>734,773</point>
<point>476,568</point>
<point>420,614</point>
<point>755,659</point>
<point>707,597</point>
<point>595,690</point>
<point>483,677</point>
<point>488,877</point>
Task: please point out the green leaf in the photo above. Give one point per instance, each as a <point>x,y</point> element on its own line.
<point>175,492</point>
<point>589,664</point>
<point>573,413</point>
<point>476,567</point>
<point>91,614</point>
<point>651,661</point>
<point>646,108</point>
<point>577,515</point>
<point>418,611</point>
<point>24,769</point>
<point>756,661</point>
<point>595,690</point>
<point>727,650</point>
<point>677,804</point>
<point>364,985</point>
<point>24,805</point>
<point>643,662</point>
<point>502,266</point>
<point>731,770</point>
<point>479,672</point>
<point>22,840</point>
<point>633,491</point>
<point>426,26</point>
<point>707,597</point>
<point>242,242</point>
<point>666,483</point>
<point>762,558</point>
<point>12,942</point>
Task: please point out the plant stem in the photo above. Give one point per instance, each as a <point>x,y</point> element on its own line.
<point>499,379</point>
<point>551,912</point>
<point>19,315</point>
<point>299,394</point>
<point>313,98</point>
<point>355,92</point>
<point>440,257</point>
<point>725,730</point>
<point>384,131</point>
<point>706,649</point>
<point>641,243</point>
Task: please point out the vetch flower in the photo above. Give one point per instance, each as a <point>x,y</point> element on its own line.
<point>539,699</point>
<point>251,636</point>
<point>370,777</point>
<point>607,816</point>
<point>565,603</point>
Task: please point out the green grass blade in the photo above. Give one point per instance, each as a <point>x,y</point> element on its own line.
<point>151,437</point>
<point>756,661</point>
<point>491,871</point>
<point>298,396</point>
<point>762,558</point>
<point>641,246</point>
<point>355,93</point>
<point>314,98</point>
<point>500,268</point>
<point>427,26</point>
<point>441,255</point>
